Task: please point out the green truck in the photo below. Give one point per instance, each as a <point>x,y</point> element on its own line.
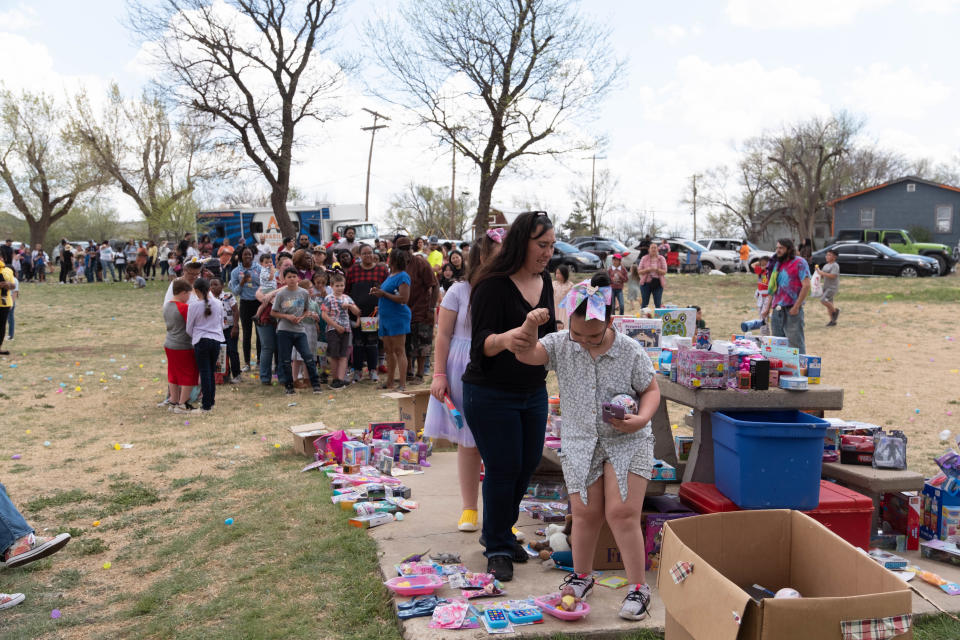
<point>900,241</point>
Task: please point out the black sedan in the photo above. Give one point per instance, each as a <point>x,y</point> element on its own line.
<point>577,260</point>
<point>876,259</point>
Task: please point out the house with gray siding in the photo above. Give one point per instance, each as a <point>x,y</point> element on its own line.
<point>901,204</point>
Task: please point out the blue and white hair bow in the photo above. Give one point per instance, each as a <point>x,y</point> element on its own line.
<point>598,299</point>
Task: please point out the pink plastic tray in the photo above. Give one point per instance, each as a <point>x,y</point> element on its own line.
<point>549,605</point>
<point>414,585</point>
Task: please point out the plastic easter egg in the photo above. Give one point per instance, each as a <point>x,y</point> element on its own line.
<point>107,565</point>
<point>628,402</point>
<point>944,436</point>
<point>787,592</point>
<point>228,521</point>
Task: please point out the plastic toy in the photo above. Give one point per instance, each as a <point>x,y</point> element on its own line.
<point>446,558</point>
<point>414,557</point>
<point>496,618</point>
<point>549,604</point>
<point>454,412</point>
<point>525,616</point>
<point>414,585</point>
<point>417,607</point>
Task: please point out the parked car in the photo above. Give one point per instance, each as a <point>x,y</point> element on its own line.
<point>577,240</point>
<point>693,252</point>
<point>564,253</point>
<point>877,259</point>
<point>900,241</point>
<point>605,248</point>
<point>733,244</point>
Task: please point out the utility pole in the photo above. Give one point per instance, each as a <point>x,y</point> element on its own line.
<point>594,229</point>
<point>694,178</point>
<point>373,132</point>
<point>453,184</point>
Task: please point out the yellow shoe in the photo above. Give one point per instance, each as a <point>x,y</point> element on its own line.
<point>517,533</point>
<point>468,520</point>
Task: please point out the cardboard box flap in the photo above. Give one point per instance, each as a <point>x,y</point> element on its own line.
<point>710,606</point>
<point>820,618</point>
<point>311,429</point>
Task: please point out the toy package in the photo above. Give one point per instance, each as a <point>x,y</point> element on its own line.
<point>677,322</point>
<point>356,453</point>
<point>890,450</point>
<point>684,445</point>
<point>646,331</point>
<point>810,367</point>
<point>698,369</point>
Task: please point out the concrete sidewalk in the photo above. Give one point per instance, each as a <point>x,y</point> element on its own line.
<point>433,526</point>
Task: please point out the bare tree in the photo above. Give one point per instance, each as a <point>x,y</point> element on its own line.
<point>153,160</point>
<point>595,200</point>
<point>255,66</point>
<point>807,161</point>
<point>45,176</point>
<point>739,200</point>
<point>498,79</point>
<point>423,210</point>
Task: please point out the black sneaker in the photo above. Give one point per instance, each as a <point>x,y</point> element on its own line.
<point>501,567</point>
<point>519,553</point>
<point>574,585</point>
<point>290,391</point>
<point>318,389</point>
<point>337,385</point>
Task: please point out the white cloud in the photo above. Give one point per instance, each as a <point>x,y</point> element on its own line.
<point>674,33</point>
<point>19,18</point>
<point>733,101</point>
<point>903,92</point>
<point>791,14</point>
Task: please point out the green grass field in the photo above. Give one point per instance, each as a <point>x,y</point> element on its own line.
<point>87,370</point>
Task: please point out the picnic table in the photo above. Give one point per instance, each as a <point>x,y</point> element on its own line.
<point>699,466</point>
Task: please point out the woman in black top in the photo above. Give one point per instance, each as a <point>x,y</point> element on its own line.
<point>505,402</point>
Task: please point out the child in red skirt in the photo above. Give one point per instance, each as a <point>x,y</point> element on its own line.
<point>182,373</point>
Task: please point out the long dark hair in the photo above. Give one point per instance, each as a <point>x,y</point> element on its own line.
<point>791,251</point>
<point>202,286</point>
<point>528,226</point>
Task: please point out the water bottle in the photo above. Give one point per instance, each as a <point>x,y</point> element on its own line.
<point>750,325</point>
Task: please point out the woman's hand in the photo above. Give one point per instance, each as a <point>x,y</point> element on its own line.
<point>518,340</point>
<point>376,292</point>
<point>439,388</point>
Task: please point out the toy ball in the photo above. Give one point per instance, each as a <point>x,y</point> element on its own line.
<point>398,516</point>
<point>228,521</point>
<point>787,592</point>
<point>628,403</point>
<point>55,614</point>
<point>107,565</point>
<point>944,436</point>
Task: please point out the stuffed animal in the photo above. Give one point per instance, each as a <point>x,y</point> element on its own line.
<point>558,539</point>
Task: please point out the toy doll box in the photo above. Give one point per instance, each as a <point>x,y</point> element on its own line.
<point>678,322</point>
<point>646,331</point>
<point>304,436</point>
<point>706,561</point>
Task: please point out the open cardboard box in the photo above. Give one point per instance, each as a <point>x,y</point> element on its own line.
<point>412,407</point>
<point>305,434</point>
<point>775,549</point>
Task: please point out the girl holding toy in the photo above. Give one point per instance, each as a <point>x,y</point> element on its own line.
<point>451,355</point>
<point>607,444</point>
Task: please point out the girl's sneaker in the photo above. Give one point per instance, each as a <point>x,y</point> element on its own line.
<point>468,520</point>
<point>8,600</point>
<point>635,605</point>
<point>186,407</point>
<point>574,585</point>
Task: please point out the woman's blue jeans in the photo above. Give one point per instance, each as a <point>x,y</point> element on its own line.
<point>12,525</point>
<point>509,429</point>
<point>267,341</point>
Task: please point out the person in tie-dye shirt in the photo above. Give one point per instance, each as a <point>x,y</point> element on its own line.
<point>788,290</point>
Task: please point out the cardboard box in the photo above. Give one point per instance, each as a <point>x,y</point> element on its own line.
<point>607,554</point>
<point>412,407</point>
<point>774,549</point>
<point>677,322</point>
<point>304,436</point>
<point>646,331</point>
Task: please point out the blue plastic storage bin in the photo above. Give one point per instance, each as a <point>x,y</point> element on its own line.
<point>768,459</point>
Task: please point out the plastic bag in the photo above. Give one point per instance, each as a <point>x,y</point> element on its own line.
<point>816,285</point>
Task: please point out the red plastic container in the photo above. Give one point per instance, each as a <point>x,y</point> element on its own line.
<point>843,511</point>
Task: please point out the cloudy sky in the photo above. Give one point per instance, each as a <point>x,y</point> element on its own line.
<point>701,76</point>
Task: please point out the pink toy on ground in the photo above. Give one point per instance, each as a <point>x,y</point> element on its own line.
<point>549,605</point>
<point>414,585</point>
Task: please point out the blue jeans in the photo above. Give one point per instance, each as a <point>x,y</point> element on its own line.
<point>108,266</point>
<point>787,326</point>
<point>509,429</point>
<point>233,355</point>
<point>267,341</point>
<point>10,321</point>
<point>286,342</point>
<point>645,291</point>
<point>12,525</point>
<point>617,297</point>
<point>207,350</point>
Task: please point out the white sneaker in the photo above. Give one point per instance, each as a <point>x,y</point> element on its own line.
<point>183,408</point>
<point>245,369</point>
<point>374,377</point>
<point>166,403</point>
<point>635,605</point>
<point>576,586</point>
<point>236,380</point>
<point>8,600</point>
